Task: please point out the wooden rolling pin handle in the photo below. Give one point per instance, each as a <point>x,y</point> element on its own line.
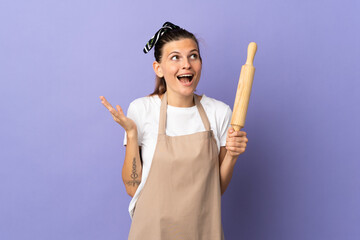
<point>236,127</point>
<point>244,89</point>
<point>252,47</point>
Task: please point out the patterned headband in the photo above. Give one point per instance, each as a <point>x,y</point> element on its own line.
<point>151,43</point>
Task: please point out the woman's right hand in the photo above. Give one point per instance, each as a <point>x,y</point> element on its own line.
<point>119,116</point>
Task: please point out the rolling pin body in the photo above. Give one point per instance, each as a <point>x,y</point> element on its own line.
<point>244,90</point>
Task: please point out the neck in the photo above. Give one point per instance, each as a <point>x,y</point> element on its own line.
<point>180,101</point>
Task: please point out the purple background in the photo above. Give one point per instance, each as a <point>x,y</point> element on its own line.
<point>62,154</point>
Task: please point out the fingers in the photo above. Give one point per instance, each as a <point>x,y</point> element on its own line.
<point>106,103</point>
<point>119,109</point>
<point>118,112</point>
<point>236,144</point>
<point>237,139</point>
<point>231,130</point>
<point>235,151</point>
<point>236,133</point>
<point>235,148</point>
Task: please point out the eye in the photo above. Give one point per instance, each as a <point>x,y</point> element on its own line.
<point>194,56</point>
<point>175,57</point>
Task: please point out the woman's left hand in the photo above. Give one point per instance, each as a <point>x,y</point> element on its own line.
<point>236,142</point>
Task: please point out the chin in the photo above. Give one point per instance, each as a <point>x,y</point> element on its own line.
<point>188,93</point>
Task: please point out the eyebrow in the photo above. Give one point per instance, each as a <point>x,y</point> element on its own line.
<point>179,52</point>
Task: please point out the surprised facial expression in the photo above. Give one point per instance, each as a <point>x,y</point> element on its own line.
<point>180,65</point>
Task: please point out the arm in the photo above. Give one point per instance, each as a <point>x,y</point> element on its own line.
<point>227,163</point>
<point>132,168</point>
<point>236,142</point>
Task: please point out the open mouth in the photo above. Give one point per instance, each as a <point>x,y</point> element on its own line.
<point>185,78</point>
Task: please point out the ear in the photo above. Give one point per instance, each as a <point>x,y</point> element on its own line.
<point>157,69</point>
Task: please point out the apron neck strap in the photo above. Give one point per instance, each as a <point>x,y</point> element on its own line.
<point>163,109</point>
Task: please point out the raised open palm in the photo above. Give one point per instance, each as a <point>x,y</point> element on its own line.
<point>119,116</point>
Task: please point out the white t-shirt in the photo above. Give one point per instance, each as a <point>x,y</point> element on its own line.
<point>145,112</point>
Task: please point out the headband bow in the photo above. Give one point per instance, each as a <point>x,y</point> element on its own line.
<point>151,43</point>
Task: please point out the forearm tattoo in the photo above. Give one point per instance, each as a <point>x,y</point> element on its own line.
<point>134,176</point>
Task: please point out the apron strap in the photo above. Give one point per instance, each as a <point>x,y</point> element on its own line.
<point>202,113</point>
<point>162,120</point>
<point>163,108</point>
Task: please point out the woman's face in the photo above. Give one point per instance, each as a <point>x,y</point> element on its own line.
<point>180,66</point>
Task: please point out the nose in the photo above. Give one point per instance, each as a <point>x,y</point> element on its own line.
<point>186,63</point>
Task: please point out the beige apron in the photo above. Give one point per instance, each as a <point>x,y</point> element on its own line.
<point>181,198</point>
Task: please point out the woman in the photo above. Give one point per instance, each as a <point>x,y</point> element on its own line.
<point>187,149</point>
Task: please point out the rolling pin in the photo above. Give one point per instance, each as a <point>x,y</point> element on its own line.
<point>244,89</point>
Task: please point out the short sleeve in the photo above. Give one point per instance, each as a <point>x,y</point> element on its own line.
<point>224,125</point>
<point>133,114</point>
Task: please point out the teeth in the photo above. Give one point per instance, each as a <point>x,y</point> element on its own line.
<point>186,75</point>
